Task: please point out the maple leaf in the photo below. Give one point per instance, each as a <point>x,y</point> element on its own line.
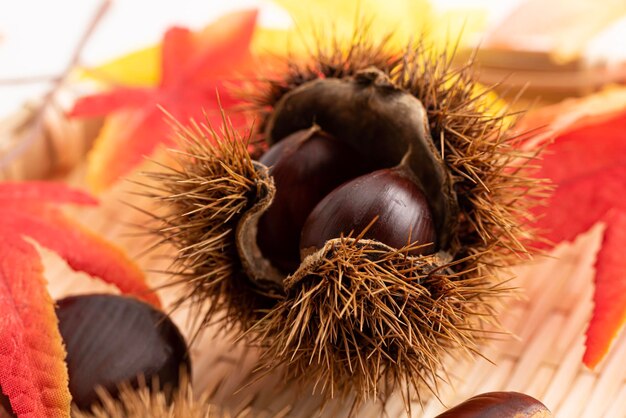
<point>31,350</point>
<point>28,209</point>
<point>586,161</point>
<point>32,370</point>
<point>194,66</point>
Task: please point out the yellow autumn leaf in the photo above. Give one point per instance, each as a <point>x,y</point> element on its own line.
<point>141,68</point>
<point>403,19</point>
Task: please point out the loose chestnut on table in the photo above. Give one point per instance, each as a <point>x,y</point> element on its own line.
<point>112,340</point>
<point>361,244</point>
<point>499,405</point>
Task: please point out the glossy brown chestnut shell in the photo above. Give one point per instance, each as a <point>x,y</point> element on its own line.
<point>112,340</point>
<point>390,198</point>
<point>499,405</point>
<point>305,167</point>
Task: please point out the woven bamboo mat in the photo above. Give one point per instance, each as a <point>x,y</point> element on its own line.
<point>543,359</point>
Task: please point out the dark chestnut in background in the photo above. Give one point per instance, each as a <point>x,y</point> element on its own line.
<point>392,195</point>
<point>306,166</point>
<point>113,339</point>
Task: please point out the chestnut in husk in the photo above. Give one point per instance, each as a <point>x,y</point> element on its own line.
<point>112,340</point>
<point>391,198</point>
<point>371,307</point>
<point>305,167</point>
<point>499,405</point>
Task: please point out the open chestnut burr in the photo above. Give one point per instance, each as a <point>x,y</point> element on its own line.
<point>414,196</point>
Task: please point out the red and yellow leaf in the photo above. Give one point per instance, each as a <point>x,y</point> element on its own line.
<point>130,136</point>
<point>32,369</point>
<point>194,67</point>
<point>587,164</point>
<point>137,132</point>
<point>83,250</point>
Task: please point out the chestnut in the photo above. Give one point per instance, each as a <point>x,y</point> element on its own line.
<point>112,340</point>
<point>499,405</point>
<point>389,197</point>
<point>305,166</point>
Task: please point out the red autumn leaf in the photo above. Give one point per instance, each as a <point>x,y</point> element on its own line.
<point>32,370</point>
<point>82,249</point>
<point>41,191</point>
<point>194,67</point>
<point>587,164</point>
<point>610,293</point>
<point>25,210</point>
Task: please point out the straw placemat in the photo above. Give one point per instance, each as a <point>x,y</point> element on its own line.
<point>543,360</point>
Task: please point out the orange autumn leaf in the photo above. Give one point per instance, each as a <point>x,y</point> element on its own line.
<point>194,67</point>
<point>586,161</point>
<point>82,249</point>
<point>26,210</point>
<point>33,374</point>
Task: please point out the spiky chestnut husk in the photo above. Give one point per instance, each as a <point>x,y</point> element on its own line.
<point>477,168</point>
<point>206,192</point>
<point>470,169</point>
<point>365,316</point>
<point>145,402</point>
